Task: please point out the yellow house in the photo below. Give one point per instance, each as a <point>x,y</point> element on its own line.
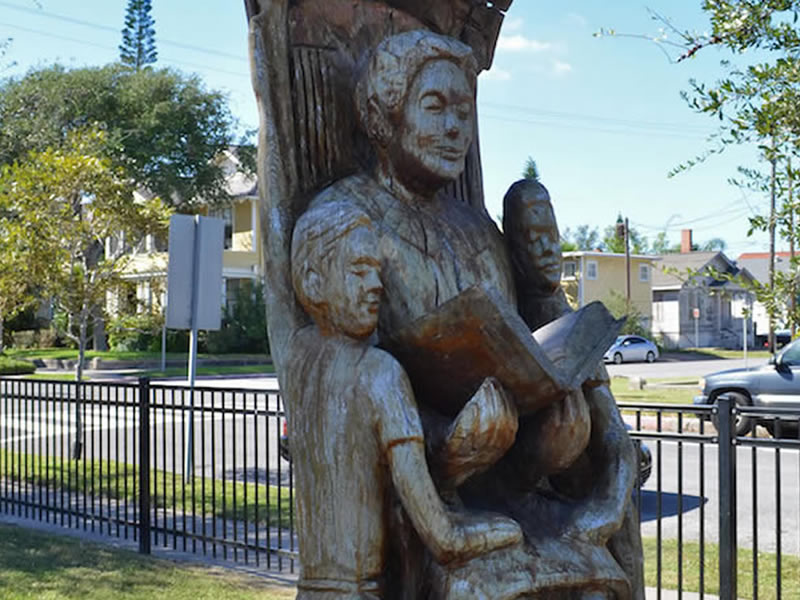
<point>590,275</point>
<point>145,276</point>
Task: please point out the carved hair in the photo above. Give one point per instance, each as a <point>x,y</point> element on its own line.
<point>316,239</point>
<point>383,89</point>
<point>520,197</point>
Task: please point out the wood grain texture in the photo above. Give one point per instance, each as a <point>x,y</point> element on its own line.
<point>373,219</point>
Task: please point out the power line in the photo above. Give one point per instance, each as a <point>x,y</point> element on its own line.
<point>65,19</point>
<point>92,44</point>
<point>637,132</point>
<point>678,127</point>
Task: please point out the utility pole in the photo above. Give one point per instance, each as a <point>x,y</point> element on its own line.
<point>627,265</point>
<point>623,232</point>
<point>772,193</point>
<point>793,288</point>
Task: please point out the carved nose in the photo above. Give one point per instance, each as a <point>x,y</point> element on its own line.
<point>452,127</point>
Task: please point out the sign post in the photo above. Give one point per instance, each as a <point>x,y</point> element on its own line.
<point>194,290</point>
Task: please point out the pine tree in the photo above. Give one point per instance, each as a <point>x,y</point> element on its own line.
<point>138,48</point>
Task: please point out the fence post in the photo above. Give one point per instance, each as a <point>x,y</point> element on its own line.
<point>144,465</point>
<point>726,419</point>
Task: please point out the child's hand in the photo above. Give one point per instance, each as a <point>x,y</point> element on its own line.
<point>480,434</point>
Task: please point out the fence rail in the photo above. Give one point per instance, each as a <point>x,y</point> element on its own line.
<point>198,471</point>
<point>202,472</point>
<point>720,514</point>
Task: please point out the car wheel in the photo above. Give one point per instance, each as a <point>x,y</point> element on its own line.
<point>617,358</point>
<point>650,356</point>
<point>742,425</point>
<point>788,429</point>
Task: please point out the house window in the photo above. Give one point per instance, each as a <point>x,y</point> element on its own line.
<point>591,269</point>
<point>226,214</point>
<point>644,273</point>
<point>569,269</point>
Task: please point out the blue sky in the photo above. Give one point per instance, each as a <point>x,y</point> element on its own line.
<point>602,117</point>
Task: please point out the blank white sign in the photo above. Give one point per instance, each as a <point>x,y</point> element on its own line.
<point>194,272</point>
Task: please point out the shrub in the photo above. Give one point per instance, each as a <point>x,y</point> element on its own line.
<point>634,324</point>
<point>135,333</point>
<point>12,366</point>
<point>244,324</point>
<point>36,338</point>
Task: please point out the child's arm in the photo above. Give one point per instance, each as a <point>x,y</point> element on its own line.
<point>447,536</point>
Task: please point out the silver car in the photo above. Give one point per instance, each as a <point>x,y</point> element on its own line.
<point>629,348</point>
<point>775,384</point>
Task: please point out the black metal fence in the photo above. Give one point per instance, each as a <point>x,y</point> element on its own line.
<point>720,513</point>
<point>202,472</point>
<point>158,464</point>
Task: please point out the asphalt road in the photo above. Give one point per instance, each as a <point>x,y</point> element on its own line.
<point>689,495</point>
<point>681,368</point>
<point>235,434</point>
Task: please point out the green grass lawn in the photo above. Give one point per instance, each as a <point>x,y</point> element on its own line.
<point>38,566</point>
<point>10,365</point>
<point>204,496</point>
<point>35,565</point>
<point>722,353</point>
<point>654,395</point>
<point>209,371</point>
<point>69,353</point>
<point>767,570</point>
<point>55,377</point>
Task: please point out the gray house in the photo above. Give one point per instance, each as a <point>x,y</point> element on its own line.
<point>694,308</point>
<point>757,263</point>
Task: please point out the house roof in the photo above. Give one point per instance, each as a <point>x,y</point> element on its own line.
<point>579,253</point>
<point>665,278</point>
<point>238,182</point>
<point>758,263</point>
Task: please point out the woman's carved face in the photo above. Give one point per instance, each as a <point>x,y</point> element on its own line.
<point>437,127</point>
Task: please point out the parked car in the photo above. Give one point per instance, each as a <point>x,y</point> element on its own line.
<point>645,457</point>
<point>775,384</point>
<point>782,337</point>
<point>628,348</point>
<point>283,443</point>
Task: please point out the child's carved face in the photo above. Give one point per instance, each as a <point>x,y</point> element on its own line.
<point>354,288</point>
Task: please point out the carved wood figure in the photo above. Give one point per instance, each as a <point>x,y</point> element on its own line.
<point>358,433</point>
<point>374,225</point>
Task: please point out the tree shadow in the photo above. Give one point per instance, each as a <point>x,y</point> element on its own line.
<point>671,504</point>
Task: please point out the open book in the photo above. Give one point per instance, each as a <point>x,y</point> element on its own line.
<point>449,352</point>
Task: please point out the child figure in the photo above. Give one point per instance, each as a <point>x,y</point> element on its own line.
<point>356,430</point>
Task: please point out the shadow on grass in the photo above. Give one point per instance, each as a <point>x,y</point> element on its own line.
<point>37,565</point>
<point>671,504</point>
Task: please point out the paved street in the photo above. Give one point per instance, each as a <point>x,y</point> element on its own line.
<point>699,488</point>
<point>681,368</point>
<point>235,434</point>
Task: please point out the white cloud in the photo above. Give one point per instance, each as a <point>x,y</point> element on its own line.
<point>495,74</point>
<point>577,19</point>
<point>519,43</point>
<point>561,67</point>
<point>512,24</point>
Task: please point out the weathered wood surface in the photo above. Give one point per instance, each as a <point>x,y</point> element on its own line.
<point>368,130</point>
